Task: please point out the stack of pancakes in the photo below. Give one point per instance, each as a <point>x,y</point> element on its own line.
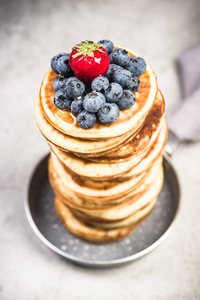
<point>106,179</point>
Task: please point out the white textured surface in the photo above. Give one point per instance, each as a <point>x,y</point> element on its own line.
<point>31,32</point>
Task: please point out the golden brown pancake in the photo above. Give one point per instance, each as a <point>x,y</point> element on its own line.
<point>86,202</point>
<point>106,179</point>
<point>90,233</point>
<point>107,225</point>
<point>109,171</point>
<point>77,145</point>
<point>66,123</point>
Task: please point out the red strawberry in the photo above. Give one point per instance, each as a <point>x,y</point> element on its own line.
<point>89,60</point>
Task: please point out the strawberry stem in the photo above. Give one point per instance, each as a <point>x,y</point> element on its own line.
<point>87,48</point>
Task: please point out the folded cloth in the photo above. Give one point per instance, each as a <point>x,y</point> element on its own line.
<point>184,118</point>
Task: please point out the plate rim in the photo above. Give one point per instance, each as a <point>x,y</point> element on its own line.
<point>100,263</point>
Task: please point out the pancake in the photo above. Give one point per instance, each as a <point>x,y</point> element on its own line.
<point>134,218</point>
<point>106,179</point>
<point>76,145</point>
<point>93,189</point>
<point>89,233</point>
<point>124,210</point>
<point>66,123</point>
<point>153,154</point>
<point>99,171</point>
<point>87,204</point>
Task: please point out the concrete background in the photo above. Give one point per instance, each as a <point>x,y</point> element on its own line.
<point>31,32</point>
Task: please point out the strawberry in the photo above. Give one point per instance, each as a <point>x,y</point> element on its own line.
<point>89,60</point>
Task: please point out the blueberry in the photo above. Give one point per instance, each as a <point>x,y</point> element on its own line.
<point>136,66</point>
<point>127,100</point>
<point>74,87</point>
<point>61,100</point>
<point>107,45</point>
<point>63,66</point>
<point>134,85</point>
<point>114,92</point>
<point>93,101</point>
<point>122,76</point>
<point>111,59</point>
<point>70,79</point>
<point>109,113</point>
<point>77,106</point>
<point>86,120</point>
<point>54,61</point>
<point>111,69</point>
<point>120,57</point>
<point>58,82</point>
<point>100,83</point>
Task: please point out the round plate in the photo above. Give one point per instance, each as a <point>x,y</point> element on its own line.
<point>39,207</point>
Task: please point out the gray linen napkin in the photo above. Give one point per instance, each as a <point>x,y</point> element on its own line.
<point>184,118</point>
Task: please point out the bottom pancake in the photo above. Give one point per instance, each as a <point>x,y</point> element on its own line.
<point>87,232</point>
<point>107,225</point>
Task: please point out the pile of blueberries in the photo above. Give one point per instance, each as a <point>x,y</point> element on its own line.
<point>106,95</point>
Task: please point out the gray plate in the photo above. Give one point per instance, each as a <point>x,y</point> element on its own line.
<point>39,207</point>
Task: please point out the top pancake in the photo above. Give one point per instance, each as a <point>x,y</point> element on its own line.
<point>78,145</point>
<point>65,122</point>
